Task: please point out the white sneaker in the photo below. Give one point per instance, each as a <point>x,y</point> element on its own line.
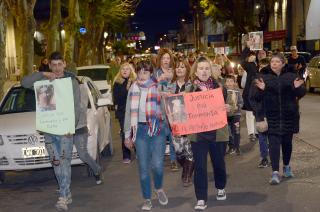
<point>147,205</point>
<point>221,195</point>
<point>62,204</point>
<point>162,197</point>
<point>201,205</point>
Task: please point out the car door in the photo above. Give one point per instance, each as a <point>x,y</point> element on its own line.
<point>312,72</point>
<point>317,72</point>
<point>101,117</point>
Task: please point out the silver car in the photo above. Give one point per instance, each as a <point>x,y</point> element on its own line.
<point>23,148</point>
<point>313,74</point>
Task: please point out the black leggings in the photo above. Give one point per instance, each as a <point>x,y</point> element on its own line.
<point>275,141</point>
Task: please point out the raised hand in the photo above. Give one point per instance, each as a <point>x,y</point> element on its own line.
<point>260,83</point>
<point>298,82</point>
<point>49,75</point>
<point>128,143</point>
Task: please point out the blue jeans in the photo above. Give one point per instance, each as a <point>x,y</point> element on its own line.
<point>60,152</point>
<point>81,143</point>
<point>263,144</point>
<point>150,152</point>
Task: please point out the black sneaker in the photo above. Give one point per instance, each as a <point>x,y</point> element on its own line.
<point>264,163</point>
<point>238,151</point>
<point>252,138</point>
<point>231,151</point>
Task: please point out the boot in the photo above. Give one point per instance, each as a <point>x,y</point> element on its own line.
<point>189,166</point>
<point>182,162</point>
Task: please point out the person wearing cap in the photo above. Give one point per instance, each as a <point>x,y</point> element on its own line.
<point>297,61</point>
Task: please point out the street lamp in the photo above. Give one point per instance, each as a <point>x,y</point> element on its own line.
<point>132,14</point>
<point>105,35</point>
<point>183,20</point>
<point>258,6</point>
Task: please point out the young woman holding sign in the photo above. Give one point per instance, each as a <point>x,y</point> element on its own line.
<point>204,142</point>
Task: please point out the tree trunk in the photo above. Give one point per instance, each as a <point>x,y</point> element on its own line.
<point>3,28</point>
<point>28,29</point>
<point>23,12</point>
<point>90,40</point>
<point>70,28</point>
<point>54,27</point>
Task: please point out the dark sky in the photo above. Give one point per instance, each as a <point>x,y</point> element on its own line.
<point>154,17</point>
<point>159,16</point>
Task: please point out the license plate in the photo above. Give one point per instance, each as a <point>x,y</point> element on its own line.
<point>33,152</point>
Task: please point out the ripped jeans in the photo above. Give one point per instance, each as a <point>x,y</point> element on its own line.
<point>59,148</point>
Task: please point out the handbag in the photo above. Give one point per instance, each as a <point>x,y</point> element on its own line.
<point>262,126</point>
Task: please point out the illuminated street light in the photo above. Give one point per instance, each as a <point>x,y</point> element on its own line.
<point>258,6</point>
<point>132,14</point>
<point>165,35</point>
<point>105,35</point>
<point>183,20</point>
<point>160,38</point>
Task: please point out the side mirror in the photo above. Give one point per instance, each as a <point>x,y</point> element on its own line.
<point>104,102</point>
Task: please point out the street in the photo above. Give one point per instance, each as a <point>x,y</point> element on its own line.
<point>247,187</point>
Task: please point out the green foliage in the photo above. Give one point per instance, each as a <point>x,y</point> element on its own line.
<point>236,14</point>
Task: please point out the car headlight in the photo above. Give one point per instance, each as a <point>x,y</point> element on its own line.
<point>1,140</point>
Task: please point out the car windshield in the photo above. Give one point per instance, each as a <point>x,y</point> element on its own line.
<point>95,74</point>
<point>18,100</point>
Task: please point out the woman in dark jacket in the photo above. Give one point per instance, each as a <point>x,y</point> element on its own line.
<point>248,62</point>
<point>122,83</point>
<point>280,90</point>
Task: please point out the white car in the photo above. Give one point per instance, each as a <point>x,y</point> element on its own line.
<point>100,76</point>
<point>23,148</point>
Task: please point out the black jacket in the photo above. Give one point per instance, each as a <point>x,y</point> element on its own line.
<point>251,69</point>
<point>280,101</point>
<point>120,94</point>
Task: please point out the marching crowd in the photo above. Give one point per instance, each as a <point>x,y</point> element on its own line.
<point>271,91</point>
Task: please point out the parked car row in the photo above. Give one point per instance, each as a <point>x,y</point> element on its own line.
<point>23,148</point>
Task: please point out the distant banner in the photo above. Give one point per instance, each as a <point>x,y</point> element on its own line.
<point>55,106</point>
<point>196,112</point>
<point>256,40</point>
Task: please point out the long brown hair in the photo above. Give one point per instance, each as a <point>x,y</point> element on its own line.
<point>160,55</point>
<point>186,65</point>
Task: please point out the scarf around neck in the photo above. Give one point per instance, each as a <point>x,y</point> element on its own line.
<point>153,107</point>
<point>204,86</point>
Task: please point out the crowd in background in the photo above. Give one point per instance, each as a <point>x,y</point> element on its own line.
<point>272,86</point>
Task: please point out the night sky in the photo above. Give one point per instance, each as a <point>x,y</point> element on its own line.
<point>156,17</point>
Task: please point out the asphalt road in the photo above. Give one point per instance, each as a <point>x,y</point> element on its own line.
<point>247,188</point>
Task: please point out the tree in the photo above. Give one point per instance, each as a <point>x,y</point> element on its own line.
<point>99,15</point>
<point>71,25</point>
<point>54,26</point>
<point>22,10</point>
<point>3,28</point>
<point>236,14</point>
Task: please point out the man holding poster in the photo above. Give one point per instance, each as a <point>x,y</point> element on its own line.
<point>57,132</point>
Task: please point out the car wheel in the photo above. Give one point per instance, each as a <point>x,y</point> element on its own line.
<point>308,86</point>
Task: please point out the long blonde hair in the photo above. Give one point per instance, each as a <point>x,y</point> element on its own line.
<point>119,79</point>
